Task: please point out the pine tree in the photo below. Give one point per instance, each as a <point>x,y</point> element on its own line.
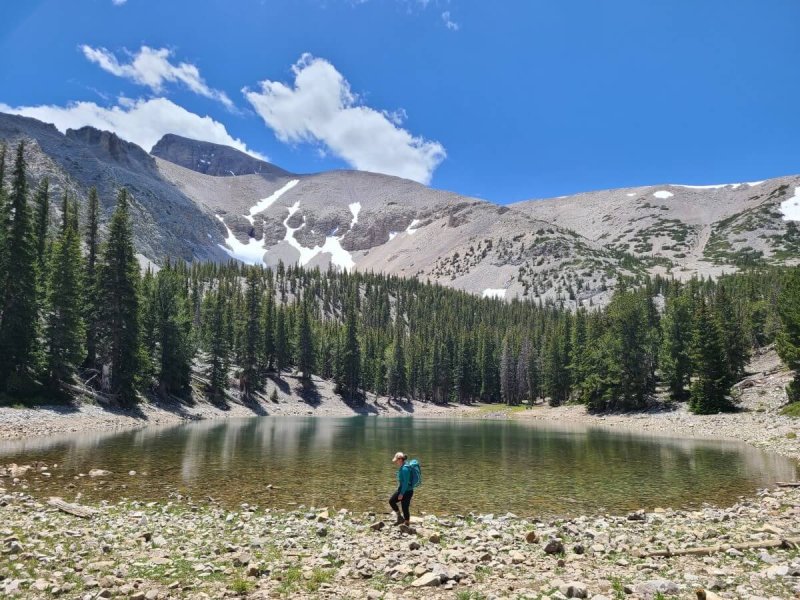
<point>18,289</point>
<point>396,370</point>
<point>305,346</point>
<point>90,301</point>
<point>348,375</point>
<point>216,343</point>
<point>250,379</point>
<point>4,218</point>
<point>508,373</point>
<point>712,383</point>
<point>281,341</point>
<point>173,334</point>
<point>65,329</point>
<point>41,225</point>
<point>676,343</point>
<point>118,282</point>
<point>737,352</point>
<point>268,330</point>
<point>788,341</point>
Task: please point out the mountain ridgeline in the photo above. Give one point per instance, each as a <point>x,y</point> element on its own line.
<point>196,201</point>
<point>86,321</point>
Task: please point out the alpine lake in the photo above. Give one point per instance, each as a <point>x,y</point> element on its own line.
<point>468,466</point>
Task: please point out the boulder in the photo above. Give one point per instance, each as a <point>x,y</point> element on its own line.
<point>554,546</point>
<point>427,580</point>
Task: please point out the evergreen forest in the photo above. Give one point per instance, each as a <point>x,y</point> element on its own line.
<point>78,316</point>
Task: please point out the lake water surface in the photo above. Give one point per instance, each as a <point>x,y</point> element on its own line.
<point>468,466</point>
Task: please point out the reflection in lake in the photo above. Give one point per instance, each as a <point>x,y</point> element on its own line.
<point>480,466</point>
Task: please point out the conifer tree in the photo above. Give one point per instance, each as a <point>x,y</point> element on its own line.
<point>252,333</point>
<point>712,382</point>
<point>118,283</point>
<point>788,341</point>
<point>216,344</point>
<point>268,330</point>
<point>508,373</point>
<point>65,330</point>
<point>41,222</point>
<point>305,347</point>
<point>348,372</point>
<point>90,300</point>
<point>173,334</point>
<point>281,341</point>
<point>676,343</point>
<point>4,216</point>
<point>396,370</point>
<point>19,310</point>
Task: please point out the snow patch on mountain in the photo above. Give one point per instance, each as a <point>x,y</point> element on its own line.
<point>791,207</point>
<point>392,235</point>
<point>718,186</point>
<point>333,246</point>
<point>412,228</point>
<point>494,293</point>
<point>264,204</point>
<point>251,253</point>
<point>355,208</point>
<point>663,194</point>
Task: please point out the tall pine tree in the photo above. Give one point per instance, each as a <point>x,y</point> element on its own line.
<point>118,283</point>
<point>65,330</point>
<point>90,300</point>
<point>19,310</point>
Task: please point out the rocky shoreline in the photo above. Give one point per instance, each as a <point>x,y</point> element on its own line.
<point>21,422</point>
<point>199,550</point>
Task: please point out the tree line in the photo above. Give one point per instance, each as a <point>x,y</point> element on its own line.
<point>77,314</point>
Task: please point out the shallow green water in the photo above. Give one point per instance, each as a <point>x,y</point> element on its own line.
<point>480,466</point>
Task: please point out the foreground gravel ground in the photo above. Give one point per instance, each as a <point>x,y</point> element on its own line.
<point>182,549</point>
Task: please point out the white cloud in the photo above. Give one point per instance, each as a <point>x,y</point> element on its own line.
<point>142,122</point>
<point>448,22</point>
<point>320,107</point>
<point>151,67</point>
<point>118,2</point>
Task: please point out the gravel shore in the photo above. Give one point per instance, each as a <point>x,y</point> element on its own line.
<point>293,400</point>
<point>181,549</point>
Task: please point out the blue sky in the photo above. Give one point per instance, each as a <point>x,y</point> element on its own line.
<point>503,100</point>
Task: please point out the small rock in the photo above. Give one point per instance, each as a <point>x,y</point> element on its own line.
<point>429,579</point>
<point>531,537</point>
<point>435,538</point>
<point>554,546</point>
<point>99,473</point>
<point>574,589</point>
<point>413,546</point>
<point>377,526</point>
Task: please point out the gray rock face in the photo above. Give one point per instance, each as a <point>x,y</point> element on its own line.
<point>212,159</point>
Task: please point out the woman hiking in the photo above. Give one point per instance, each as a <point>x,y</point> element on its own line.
<point>407,480</point>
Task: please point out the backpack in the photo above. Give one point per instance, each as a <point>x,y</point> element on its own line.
<point>416,473</point>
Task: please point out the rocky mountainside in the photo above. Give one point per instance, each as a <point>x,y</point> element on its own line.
<point>200,201</point>
<point>211,159</point>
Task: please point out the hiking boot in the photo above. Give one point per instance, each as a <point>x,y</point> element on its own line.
<point>399,520</point>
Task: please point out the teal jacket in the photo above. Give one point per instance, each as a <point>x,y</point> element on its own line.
<point>404,479</point>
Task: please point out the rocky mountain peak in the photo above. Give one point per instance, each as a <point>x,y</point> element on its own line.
<point>212,159</point>
<point>108,146</point>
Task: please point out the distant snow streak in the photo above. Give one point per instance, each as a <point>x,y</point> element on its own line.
<point>494,293</point>
<point>663,194</point>
<point>412,229</point>
<point>264,204</point>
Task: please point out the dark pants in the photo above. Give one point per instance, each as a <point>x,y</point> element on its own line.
<point>405,503</point>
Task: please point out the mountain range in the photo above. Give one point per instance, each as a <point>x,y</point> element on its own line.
<point>195,200</point>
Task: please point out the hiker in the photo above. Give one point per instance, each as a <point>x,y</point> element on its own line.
<point>408,477</point>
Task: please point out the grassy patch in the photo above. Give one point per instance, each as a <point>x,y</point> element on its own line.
<point>318,577</point>
<point>791,410</point>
